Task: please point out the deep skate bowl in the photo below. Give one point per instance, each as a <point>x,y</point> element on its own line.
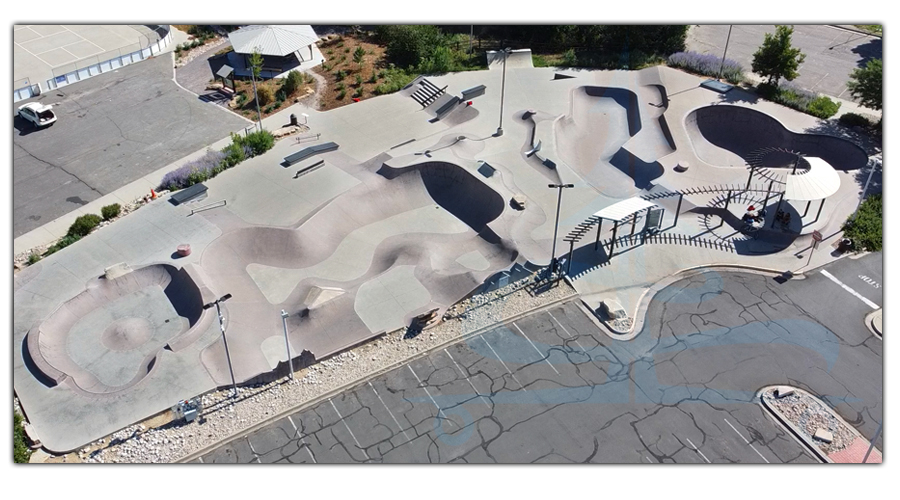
<point>106,338</point>
<point>727,135</point>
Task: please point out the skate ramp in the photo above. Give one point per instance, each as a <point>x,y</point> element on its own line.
<point>107,338</point>
<point>519,58</point>
<point>726,135</point>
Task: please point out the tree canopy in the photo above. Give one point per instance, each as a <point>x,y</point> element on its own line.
<point>776,58</point>
<point>865,84</point>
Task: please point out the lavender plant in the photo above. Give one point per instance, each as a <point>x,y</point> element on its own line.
<point>708,65</point>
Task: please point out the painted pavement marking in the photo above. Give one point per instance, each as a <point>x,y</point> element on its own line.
<point>467,378</point>
<point>745,440</point>
<point>567,331</point>
<point>300,434</point>
<point>698,451</point>
<point>349,430</point>
<point>440,411</point>
<point>847,288</point>
<point>389,411</point>
<point>546,360</point>
<point>501,362</point>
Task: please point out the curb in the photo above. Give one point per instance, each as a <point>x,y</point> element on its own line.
<point>359,381</point>
<point>871,324</point>
<point>797,433</point>
<point>854,29</point>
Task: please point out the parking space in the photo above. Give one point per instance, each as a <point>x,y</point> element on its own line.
<point>547,388</point>
<point>111,130</point>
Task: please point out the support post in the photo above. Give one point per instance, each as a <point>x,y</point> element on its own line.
<point>287,343</point>
<point>752,168</point>
<point>571,252</point>
<point>820,210</point>
<point>612,242</point>
<point>768,192</point>
<point>597,242</point>
<point>777,208</point>
<point>808,203</point>
<point>634,217</point>
<point>678,209</point>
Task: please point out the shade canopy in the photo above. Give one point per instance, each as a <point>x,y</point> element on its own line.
<point>273,40</point>
<point>624,209</point>
<point>818,183</point>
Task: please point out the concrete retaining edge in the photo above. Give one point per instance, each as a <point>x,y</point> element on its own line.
<point>799,436</point>
<point>365,378</point>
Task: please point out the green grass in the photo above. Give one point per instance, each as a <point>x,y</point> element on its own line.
<point>21,451</point>
<point>875,29</point>
<point>865,229</point>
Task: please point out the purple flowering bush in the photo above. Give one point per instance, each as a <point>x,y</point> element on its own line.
<point>192,172</point>
<point>793,96</point>
<point>707,65</point>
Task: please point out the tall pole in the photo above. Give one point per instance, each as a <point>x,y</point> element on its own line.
<point>559,187</point>
<point>872,444</point>
<point>287,342</point>
<point>722,66</point>
<point>471,36</point>
<point>227,353</point>
<point>502,92</point>
<point>862,196</point>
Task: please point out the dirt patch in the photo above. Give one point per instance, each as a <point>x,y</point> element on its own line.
<point>245,104</point>
<point>346,79</point>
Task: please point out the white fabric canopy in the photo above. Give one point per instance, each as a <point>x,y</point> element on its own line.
<point>820,182</point>
<point>273,40</point>
<point>623,209</point>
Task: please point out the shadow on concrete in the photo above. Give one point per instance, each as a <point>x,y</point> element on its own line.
<point>873,49</point>
<point>641,172</point>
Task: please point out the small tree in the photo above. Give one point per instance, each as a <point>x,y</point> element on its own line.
<point>293,82</point>
<point>865,229</point>
<point>358,55</point>
<point>865,84</point>
<point>776,59</point>
<point>256,64</point>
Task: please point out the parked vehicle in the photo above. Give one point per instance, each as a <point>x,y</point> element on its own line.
<point>38,114</point>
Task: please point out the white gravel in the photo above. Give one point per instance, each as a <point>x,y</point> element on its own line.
<point>219,419</point>
<point>808,413</point>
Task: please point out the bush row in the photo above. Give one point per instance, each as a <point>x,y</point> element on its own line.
<point>213,163</point>
<point>865,230</point>
<point>793,96</point>
<point>707,65</point>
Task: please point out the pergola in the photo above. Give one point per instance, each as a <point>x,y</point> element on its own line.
<point>275,42</point>
<point>817,183</point>
<point>618,213</point>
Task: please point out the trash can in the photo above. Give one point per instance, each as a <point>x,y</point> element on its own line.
<point>293,120</point>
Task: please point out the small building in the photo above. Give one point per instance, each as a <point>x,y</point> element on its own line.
<point>284,47</point>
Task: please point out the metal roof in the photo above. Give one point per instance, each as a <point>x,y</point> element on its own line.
<point>818,183</point>
<point>623,209</point>
<point>224,71</point>
<point>272,40</point>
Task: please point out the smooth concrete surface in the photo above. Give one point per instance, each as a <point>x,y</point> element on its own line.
<point>394,231</point>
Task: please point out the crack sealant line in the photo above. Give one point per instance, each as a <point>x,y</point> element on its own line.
<point>502,362</point>
<point>463,373</point>
<point>389,411</point>
<point>567,332</point>
<point>546,359</point>
<point>297,431</point>
<point>440,411</point>
<point>369,376</point>
<point>698,451</point>
<point>349,430</point>
<point>745,440</point>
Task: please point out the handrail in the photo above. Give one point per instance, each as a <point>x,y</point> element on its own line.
<point>208,207</point>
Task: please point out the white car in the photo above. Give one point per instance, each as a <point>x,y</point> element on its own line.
<point>38,114</point>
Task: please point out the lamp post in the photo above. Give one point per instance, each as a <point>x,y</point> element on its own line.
<point>722,66</point>
<point>287,342</point>
<point>506,52</point>
<point>862,195</point>
<point>560,188</point>
<point>224,339</point>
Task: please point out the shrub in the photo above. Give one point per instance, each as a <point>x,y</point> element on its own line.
<point>192,172</point>
<point>195,43</point>
<point>293,82</point>
<point>264,94</point>
<point>569,58</point>
<point>707,65</point>
<point>235,153</point>
<point>62,243</point>
<point>358,92</point>
<point>854,120</point>
<point>823,107</point>
<point>347,50</point>
<point>340,87</point>
<point>110,211</point>
<point>865,229</point>
<point>259,142</point>
<point>394,80</point>
<point>280,97</point>
<point>84,225</point>
<point>372,79</point>
<point>21,452</point>
<point>359,80</point>
<point>33,258</point>
<point>341,95</point>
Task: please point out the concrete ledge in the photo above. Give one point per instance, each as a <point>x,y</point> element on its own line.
<point>873,322</point>
<point>799,435</point>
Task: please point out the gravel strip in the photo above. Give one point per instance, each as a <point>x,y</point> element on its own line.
<point>159,440</point>
<point>808,414</point>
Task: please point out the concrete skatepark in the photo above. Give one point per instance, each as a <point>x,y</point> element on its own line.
<point>413,213</point>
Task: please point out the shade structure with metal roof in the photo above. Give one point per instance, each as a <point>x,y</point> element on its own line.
<point>273,39</point>
<point>817,183</point>
<point>624,209</point>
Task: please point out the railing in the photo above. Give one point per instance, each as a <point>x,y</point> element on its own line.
<point>209,207</point>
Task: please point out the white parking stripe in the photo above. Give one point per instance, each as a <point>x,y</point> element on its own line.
<point>745,440</point>
<point>349,430</point>
<point>852,291</point>
<point>467,378</point>
<point>389,411</point>
<point>698,451</point>
<point>440,411</point>
<point>567,331</point>
<point>535,348</point>
<point>291,420</point>
<point>501,362</point>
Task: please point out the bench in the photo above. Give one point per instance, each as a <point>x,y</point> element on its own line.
<point>473,92</point>
<point>305,153</point>
<point>187,194</point>
<point>447,106</point>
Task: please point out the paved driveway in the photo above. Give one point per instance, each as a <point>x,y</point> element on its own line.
<point>831,53</point>
<point>552,388</point>
<point>113,129</point>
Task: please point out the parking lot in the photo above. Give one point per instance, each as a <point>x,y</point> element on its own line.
<point>551,387</point>
<point>111,130</point>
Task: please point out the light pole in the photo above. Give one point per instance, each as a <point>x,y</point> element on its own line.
<point>506,52</point>
<point>287,343</point>
<point>722,66</point>
<point>559,187</point>
<point>224,339</point>
<point>862,196</point>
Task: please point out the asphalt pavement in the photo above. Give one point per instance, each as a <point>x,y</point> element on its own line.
<point>111,130</point>
<point>551,387</point>
<point>831,53</point>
